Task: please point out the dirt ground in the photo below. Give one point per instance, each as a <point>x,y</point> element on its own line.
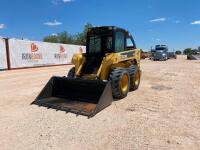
<point>163,114</point>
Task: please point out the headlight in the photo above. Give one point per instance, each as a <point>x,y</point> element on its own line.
<point>163,54</point>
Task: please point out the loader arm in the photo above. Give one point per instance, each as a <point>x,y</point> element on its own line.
<point>78,60</point>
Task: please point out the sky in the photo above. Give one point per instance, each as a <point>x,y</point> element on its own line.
<point>172,22</point>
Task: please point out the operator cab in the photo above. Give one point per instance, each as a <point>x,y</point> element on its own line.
<point>108,39</point>
<point>104,40</point>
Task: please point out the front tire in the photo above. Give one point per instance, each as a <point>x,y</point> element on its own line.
<point>120,82</point>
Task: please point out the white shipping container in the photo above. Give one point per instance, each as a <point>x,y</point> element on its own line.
<point>32,53</point>
<point>3,59</point>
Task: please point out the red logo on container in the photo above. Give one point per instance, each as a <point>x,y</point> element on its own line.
<point>34,55</point>
<point>34,47</point>
<point>62,49</point>
<point>62,54</point>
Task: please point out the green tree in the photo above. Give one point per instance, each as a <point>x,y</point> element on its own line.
<point>178,52</point>
<point>187,51</point>
<point>86,27</point>
<point>51,39</point>
<point>80,38</point>
<point>194,51</point>
<point>67,38</point>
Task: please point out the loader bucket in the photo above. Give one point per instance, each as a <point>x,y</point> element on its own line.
<point>79,96</point>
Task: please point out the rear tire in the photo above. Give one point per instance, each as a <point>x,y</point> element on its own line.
<point>71,73</point>
<point>120,82</point>
<point>134,77</point>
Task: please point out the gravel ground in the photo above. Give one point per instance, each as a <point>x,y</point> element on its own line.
<point>163,114</point>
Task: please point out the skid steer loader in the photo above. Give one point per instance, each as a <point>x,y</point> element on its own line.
<point>109,69</point>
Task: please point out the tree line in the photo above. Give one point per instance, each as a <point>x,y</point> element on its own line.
<point>187,51</point>
<point>67,38</point>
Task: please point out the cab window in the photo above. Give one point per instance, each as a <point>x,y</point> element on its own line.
<point>109,44</point>
<point>119,41</point>
<point>129,44</point>
<point>94,44</point>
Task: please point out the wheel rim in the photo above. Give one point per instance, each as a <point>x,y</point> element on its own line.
<point>137,78</point>
<point>124,83</point>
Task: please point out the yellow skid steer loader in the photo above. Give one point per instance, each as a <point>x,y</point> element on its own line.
<point>109,69</point>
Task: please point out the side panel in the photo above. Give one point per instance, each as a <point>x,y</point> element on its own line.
<point>3,59</point>
<point>130,55</point>
<point>32,53</point>
<point>122,59</point>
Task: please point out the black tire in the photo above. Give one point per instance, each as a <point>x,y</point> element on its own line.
<point>134,72</point>
<point>71,73</point>
<point>116,79</point>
